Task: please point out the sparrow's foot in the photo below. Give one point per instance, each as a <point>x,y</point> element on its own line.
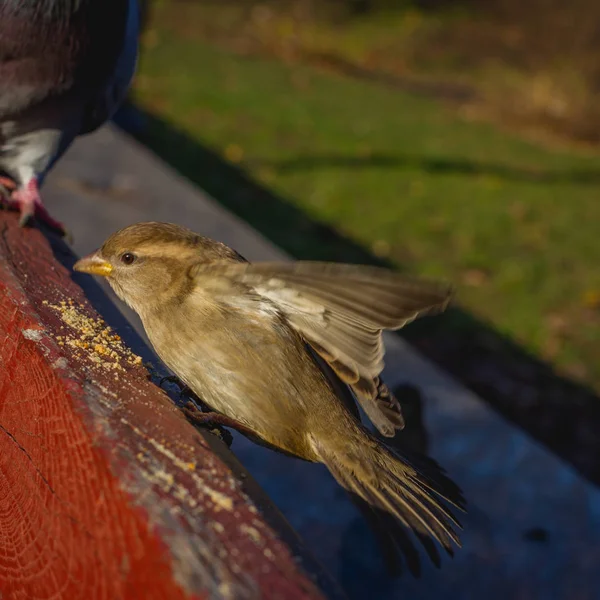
<point>186,395</point>
<point>213,420</point>
<point>28,202</point>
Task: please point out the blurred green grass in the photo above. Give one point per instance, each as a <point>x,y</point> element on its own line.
<point>514,224</point>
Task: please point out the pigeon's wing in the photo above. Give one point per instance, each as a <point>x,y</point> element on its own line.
<point>32,63</point>
<point>341,310</point>
<point>113,90</point>
<point>53,50</point>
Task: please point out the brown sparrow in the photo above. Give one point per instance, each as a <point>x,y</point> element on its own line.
<point>282,350</point>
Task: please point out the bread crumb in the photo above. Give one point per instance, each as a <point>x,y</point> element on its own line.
<point>103,347</point>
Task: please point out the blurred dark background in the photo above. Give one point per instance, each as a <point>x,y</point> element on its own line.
<point>455,139</point>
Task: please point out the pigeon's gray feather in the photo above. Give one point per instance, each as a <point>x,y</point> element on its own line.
<point>65,65</point>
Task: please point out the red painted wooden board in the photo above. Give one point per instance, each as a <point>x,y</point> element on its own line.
<point>106,491</point>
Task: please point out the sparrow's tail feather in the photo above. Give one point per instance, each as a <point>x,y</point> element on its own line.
<point>397,495</point>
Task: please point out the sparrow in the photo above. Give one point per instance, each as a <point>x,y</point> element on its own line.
<point>282,352</point>
<point>65,66</point>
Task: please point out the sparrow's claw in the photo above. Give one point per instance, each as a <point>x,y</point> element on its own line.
<point>184,390</point>
<point>214,422</point>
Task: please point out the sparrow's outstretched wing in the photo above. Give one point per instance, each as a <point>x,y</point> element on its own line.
<point>341,310</point>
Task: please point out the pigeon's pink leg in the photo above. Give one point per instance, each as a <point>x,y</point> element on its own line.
<point>29,203</point>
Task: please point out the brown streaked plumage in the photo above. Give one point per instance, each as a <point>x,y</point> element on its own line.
<point>271,345</point>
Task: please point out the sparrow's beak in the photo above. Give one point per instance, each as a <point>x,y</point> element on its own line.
<point>94,265</point>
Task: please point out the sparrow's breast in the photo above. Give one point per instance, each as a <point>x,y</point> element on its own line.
<point>255,370</point>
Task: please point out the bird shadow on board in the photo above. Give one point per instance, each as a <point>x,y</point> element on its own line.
<point>560,413</point>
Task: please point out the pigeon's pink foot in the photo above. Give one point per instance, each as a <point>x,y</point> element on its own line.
<point>28,202</point>
<point>7,187</point>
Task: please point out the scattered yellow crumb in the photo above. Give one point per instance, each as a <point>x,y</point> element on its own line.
<point>252,532</point>
<point>103,347</point>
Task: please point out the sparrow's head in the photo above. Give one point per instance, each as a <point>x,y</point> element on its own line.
<point>147,264</point>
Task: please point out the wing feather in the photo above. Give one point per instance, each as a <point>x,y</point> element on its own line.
<point>341,310</point>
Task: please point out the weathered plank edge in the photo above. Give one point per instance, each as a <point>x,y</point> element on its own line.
<point>194,516</point>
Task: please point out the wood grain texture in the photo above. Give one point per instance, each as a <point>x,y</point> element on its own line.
<point>106,492</point>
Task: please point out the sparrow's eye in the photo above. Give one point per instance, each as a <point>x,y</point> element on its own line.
<point>128,258</point>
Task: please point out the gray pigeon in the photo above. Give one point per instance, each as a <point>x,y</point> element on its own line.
<point>65,66</point>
